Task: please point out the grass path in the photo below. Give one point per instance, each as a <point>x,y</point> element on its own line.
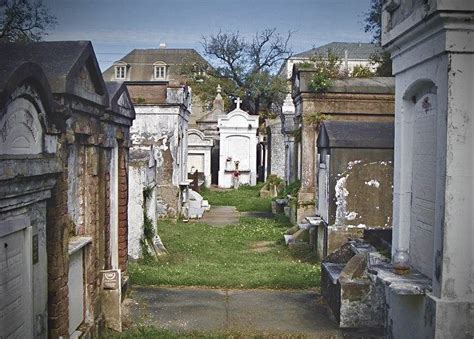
<point>250,254</point>
<point>246,255</point>
<point>245,199</point>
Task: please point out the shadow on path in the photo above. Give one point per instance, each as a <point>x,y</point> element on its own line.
<point>221,216</point>
<point>270,312</point>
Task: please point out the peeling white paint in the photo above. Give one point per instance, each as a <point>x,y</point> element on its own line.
<point>351,215</point>
<point>351,164</point>
<point>373,183</point>
<point>341,200</point>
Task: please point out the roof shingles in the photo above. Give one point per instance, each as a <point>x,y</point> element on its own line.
<point>355,50</point>
<point>141,62</point>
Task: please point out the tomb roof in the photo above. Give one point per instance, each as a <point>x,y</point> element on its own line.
<point>116,90</point>
<point>356,134</point>
<point>14,73</point>
<point>61,61</point>
<point>373,85</point>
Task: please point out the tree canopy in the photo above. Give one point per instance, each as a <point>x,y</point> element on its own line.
<point>246,68</point>
<point>373,24</point>
<point>24,20</point>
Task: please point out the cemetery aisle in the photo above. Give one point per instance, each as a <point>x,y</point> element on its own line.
<point>229,279</point>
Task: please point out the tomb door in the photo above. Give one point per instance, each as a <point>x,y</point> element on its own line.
<point>16,285</point>
<point>76,290</point>
<point>195,162</point>
<point>423,183</point>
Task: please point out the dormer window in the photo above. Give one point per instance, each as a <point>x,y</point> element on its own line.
<point>120,72</point>
<point>159,71</point>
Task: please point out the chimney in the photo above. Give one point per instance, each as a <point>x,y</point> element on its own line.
<point>162,46</point>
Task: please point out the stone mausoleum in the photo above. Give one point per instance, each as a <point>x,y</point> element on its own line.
<point>63,191</point>
<point>163,112</point>
<point>199,156</point>
<point>432,48</point>
<point>238,147</point>
<point>351,99</point>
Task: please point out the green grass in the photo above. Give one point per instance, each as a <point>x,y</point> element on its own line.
<point>202,255</point>
<point>246,198</point>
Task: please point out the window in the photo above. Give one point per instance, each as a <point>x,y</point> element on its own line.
<point>120,72</point>
<point>160,72</point>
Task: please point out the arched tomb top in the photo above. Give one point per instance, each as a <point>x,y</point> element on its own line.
<point>239,119</point>
<point>198,138</point>
<point>25,109</point>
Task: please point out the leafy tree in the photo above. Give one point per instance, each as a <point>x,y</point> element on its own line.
<point>247,68</point>
<point>373,21</point>
<point>24,20</point>
<point>383,62</point>
<point>373,24</point>
<point>327,68</point>
<point>361,71</point>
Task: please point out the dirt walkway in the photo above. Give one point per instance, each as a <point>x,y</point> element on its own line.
<point>268,312</point>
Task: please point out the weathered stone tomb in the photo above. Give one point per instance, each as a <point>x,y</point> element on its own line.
<point>162,122</point>
<point>351,99</point>
<point>355,180</point>
<point>199,156</point>
<point>432,48</point>
<point>83,138</point>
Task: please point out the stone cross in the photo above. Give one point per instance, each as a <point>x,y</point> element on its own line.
<point>238,102</point>
<point>218,88</point>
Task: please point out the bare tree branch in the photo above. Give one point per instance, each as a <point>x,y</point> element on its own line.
<point>251,65</point>
<point>24,20</point>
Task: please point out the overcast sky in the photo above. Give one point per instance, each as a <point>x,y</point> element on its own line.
<point>115,27</point>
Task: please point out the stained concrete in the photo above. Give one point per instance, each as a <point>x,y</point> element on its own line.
<point>221,216</point>
<point>257,214</point>
<point>268,312</point>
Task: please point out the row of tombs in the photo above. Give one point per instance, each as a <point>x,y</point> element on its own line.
<point>385,178</point>
<point>64,149</point>
<point>84,169</point>
<point>384,165</point>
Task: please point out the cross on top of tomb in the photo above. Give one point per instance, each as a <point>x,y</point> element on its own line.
<point>218,88</point>
<point>238,101</point>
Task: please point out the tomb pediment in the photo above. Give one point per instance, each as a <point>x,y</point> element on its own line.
<point>20,129</point>
<point>239,119</point>
<point>24,118</point>
<point>87,81</point>
<point>197,138</point>
<point>124,101</point>
<point>70,67</point>
<point>120,102</point>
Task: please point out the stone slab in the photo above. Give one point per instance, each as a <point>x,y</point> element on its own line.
<point>221,216</point>
<point>251,311</point>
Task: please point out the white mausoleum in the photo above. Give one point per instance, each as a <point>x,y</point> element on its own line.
<point>238,147</point>
<point>432,48</point>
<point>199,155</point>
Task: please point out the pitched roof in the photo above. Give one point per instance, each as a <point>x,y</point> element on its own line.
<point>14,73</point>
<point>356,134</point>
<point>356,50</point>
<point>58,59</point>
<point>116,90</point>
<point>141,61</point>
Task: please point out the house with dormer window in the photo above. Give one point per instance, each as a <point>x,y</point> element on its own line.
<point>151,66</point>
